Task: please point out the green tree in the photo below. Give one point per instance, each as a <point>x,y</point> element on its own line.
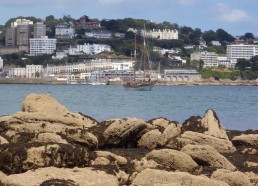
<point>68,18</point>
<point>249,35</point>
<point>51,23</point>
<point>223,36</point>
<point>243,64</point>
<point>254,63</point>
<point>209,36</point>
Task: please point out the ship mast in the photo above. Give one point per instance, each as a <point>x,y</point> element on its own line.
<point>134,56</point>
<point>144,50</point>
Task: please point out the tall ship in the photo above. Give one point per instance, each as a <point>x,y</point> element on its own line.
<point>145,82</point>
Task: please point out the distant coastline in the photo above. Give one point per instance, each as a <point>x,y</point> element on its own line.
<point>210,81</point>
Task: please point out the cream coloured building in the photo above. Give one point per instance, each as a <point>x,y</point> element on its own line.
<point>17,72</point>
<point>165,34</point>
<point>21,21</point>
<point>32,70</point>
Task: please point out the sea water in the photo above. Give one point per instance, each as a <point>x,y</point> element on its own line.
<point>236,106</point>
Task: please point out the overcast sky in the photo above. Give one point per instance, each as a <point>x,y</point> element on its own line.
<point>235,16</point>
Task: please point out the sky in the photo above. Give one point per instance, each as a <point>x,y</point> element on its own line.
<point>237,17</point>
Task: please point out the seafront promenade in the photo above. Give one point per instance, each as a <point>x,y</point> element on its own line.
<point>160,82</point>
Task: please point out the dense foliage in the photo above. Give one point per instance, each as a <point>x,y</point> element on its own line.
<point>220,74</point>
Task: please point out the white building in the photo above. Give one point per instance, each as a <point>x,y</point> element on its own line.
<point>60,55</point>
<point>215,43</point>
<point>33,71</point>
<point>64,31</point>
<point>17,72</point>
<point>1,63</point>
<point>89,49</point>
<point>103,34</point>
<point>223,60</point>
<point>42,45</point>
<point>122,65</point>
<point>235,52</point>
<point>165,34</point>
<point>210,59</point>
<point>21,21</point>
<point>163,51</point>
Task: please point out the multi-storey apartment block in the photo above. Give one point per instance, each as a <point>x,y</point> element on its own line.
<point>42,45</point>
<point>210,59</point>
<point>235,52</point>
<point>10,36</point>
<point>18,33</point>
<point>23,34</point>
<point>39,30</point>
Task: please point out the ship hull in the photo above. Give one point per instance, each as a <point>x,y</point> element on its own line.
<point>141,86</point>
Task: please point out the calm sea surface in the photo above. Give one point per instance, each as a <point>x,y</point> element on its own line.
<point>236,106</point>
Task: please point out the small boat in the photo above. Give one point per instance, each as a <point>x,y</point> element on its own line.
<point>145,82</point>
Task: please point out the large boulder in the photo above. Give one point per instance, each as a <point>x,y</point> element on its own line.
<point>161,131</point>
<point>123,132</point>
<point>195,138</point>
<point>81,136</point>
<point>173,159</point>
<point>209,125</point>
<point>17,158</point>
<point>42,122</point>
<point>119,160</point>
<point>152,139</point>
<point>61,176</point>
<point>252,177</point>
<point>232,178</point>
<point>161,123</point>
<point>41,138</point>
<point>208,155</point>
<point>2,175</point>
<point>43,103</point>
<point>160,177</point>
<point>3,140</point>
<point>144,163</point>
<point>246,139</point>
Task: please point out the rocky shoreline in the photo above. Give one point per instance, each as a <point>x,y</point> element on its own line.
<point>46,144</point>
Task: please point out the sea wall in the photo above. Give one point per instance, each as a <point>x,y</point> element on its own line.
<point>46,144</point>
